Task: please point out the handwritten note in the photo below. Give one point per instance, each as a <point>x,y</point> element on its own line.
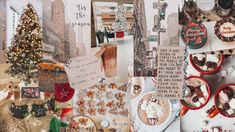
<point>170,77</point>
<point>84,71</point>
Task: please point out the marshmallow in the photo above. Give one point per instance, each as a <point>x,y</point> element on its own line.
<point>230,111</point>
<point>210,130</point>
<point>220,106</point>
<point>232,103</point>
<point>198,104</point>
<point>215,129</point>
<point>200,56</point>
<point>153,110</point>
<point>223,96</point>
<point>202,100</point>
<point>187,92</point>
<point>204,90</point>
<point>156,108</point>
<point>212,58</point>
<point>144,105</point>
<point>204,68</point>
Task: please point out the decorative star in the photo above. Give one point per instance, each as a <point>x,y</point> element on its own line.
<point>40,112</point>
<point>64,93</point>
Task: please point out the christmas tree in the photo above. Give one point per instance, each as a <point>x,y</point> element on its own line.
<point>120,22</point>
<point>25,52</point>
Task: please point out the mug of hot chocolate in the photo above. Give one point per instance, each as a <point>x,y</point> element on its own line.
<point>137,86</point>
<point>224,100</point>
<point>153,111</point>
<point>190,7</point>
<point>224,7</point>
<point>196,94</point>
<point>206,63</point>
<point>109,59</point>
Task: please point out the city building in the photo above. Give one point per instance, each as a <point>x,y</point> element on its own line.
<point>14,10</point>
<point>2,31</point>
<point>70,42</point>
<point>141,45</point>
<point>58,16</point>
<point>50,38</point>
<point>13,17</point>
<point>53,31</point>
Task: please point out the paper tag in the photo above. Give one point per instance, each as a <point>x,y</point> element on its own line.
<point>84,71</point>
<point>30,92</point>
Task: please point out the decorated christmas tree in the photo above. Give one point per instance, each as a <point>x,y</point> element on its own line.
<point>25,52</point>
<point>120,22</point>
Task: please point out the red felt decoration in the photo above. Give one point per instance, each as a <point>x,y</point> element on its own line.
<point>63,92</point>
